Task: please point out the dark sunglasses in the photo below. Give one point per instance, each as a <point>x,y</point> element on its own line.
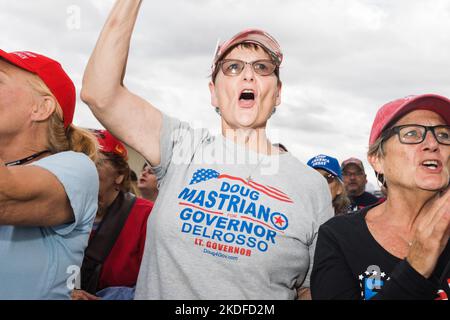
<point>234,67</point>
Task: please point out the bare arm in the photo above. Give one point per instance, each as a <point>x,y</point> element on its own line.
<point>303,293</point>
<point>32,196</point>
<point>129,117</point>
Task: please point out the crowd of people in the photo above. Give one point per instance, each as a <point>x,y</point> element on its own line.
<point>228,216</point>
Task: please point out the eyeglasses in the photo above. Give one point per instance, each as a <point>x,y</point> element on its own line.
<point>330,177</point>
<point>234,67</point>
<point>415,133</point>
<point>356,174</point>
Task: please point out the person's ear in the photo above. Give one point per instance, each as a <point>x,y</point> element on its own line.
<point>43,108</point>
<point>278,97</point>
<point>377,163</point>
<point>119,179</point>
<point>212,90</point>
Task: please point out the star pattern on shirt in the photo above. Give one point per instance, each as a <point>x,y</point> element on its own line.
<point>279,220</point>
<point>204,175</point>
<point>370,274</point>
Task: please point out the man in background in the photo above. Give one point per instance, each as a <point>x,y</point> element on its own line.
<point>355,180</point>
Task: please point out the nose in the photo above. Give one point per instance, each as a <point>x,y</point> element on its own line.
<point>430,143</point>
<point>248,72</point>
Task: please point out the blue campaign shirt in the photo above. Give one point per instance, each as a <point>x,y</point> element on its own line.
<point>43,262</point>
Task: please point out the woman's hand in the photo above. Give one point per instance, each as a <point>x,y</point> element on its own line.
<point>432,234</point>
<point>83,295</point>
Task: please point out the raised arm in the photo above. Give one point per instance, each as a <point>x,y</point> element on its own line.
<point>129,117</point>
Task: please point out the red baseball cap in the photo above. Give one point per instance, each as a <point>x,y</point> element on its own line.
<point>110,144</point>
<point>394,110</point>
<point>52,74</point>
<point>255,36</point>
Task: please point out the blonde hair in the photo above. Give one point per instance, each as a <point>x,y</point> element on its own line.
<point>64,139</point>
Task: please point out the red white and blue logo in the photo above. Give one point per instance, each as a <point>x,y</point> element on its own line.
<point>232,215</point>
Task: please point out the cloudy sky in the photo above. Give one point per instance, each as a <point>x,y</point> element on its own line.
<point>343,58</point>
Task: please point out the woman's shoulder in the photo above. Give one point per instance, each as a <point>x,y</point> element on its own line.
<point>303,177</point>
<point>67,157</point>
<point>295,167</point>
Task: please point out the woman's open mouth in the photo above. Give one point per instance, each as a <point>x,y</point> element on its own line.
<point>247,98</point>
<point>434,166</point>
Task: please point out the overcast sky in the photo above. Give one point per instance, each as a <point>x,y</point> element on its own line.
<point>343,58</point>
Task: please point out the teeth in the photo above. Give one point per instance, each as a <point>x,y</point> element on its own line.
<point>432,164</point>
<point>247,94</point>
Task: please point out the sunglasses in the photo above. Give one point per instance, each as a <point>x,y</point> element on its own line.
<point>330,177</point>
<point>234,67</point>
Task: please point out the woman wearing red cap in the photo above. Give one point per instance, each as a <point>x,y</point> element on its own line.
<point>235,217</point>
<point>113,256</point>
<point>398,249</point>
<point>48,183</point>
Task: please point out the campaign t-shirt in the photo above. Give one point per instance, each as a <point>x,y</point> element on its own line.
<point>350,264</point>
<point>229,223</point>
<point>43,262</point>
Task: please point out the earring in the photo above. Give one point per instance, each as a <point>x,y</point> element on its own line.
<point>218,111</point>
<point>273,112</point>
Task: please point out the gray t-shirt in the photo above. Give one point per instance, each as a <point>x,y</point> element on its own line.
<point>229,223</point>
